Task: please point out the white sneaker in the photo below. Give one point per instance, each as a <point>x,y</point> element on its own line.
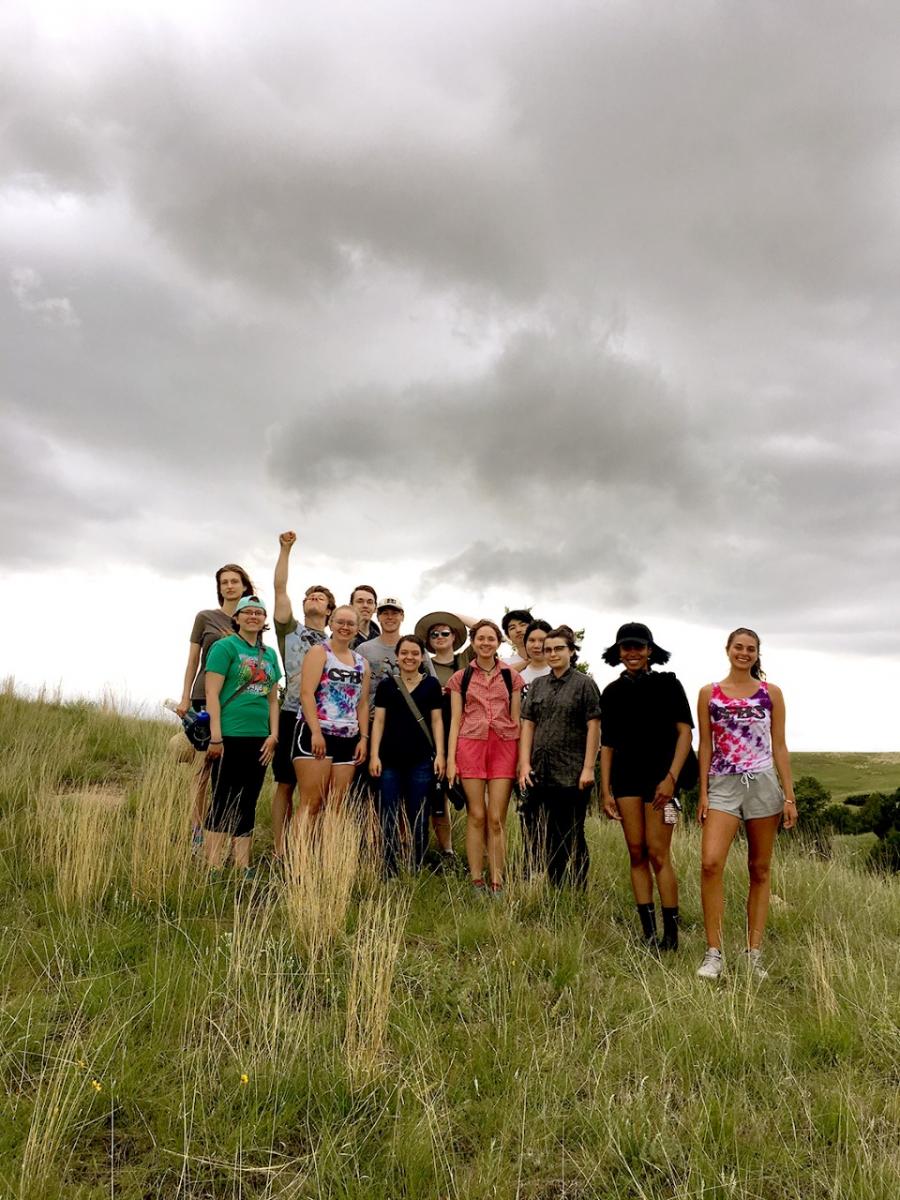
<point>754,965</point>
<point>713,964</point>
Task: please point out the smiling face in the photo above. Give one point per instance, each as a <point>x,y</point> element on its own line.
<point>251,619</point>
<point>534,646</point>
<point>742,650</point>
<point>634,656</point>
<point>440,639</point>
<point>344,622</point>
<point>390,619</point>
<point>364,603</point>
<point>485,642</point>
<point>409,656</point>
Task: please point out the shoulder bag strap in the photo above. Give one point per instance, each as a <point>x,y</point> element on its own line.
<point>414,709</point>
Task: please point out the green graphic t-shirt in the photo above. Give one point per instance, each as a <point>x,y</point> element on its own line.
<point>247,715</point>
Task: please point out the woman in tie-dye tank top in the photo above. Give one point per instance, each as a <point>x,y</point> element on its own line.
<point>745,775</point>
<point>331,738</point>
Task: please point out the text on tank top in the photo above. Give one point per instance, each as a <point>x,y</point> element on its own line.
<point>338,693</point>
<point>741,731</point>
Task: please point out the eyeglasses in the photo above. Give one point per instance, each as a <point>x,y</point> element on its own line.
<point>440,633</point>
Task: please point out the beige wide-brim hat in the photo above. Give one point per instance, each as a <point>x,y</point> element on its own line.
<point>460,633</point>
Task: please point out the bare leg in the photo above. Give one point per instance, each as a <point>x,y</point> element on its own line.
<point>476,826</point>
<point>313,777</point>
<point>632,810</point>
<point>719,829</point>
<point>761,834</point>
<point>200,788</point>
<point>241,851</point>
<point>659,841</point>
<point>282,811</point>
<point>341,779</point>
<point>443,836</point>
<point>215,846</point>
<point>498,803</point>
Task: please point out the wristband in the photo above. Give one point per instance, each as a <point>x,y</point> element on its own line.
<point>214,743</point>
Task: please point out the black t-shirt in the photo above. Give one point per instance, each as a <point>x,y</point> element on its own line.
<point>638,715</point>
<point>404,743</point>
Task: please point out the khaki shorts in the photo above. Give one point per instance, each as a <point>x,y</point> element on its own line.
<point>748,796</point>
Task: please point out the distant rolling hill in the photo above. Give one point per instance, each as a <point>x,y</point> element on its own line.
<point>847,774</point>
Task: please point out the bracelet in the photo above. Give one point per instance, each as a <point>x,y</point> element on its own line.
<point>794,802</point>
<point>671,776</point>
<point>212,743</point>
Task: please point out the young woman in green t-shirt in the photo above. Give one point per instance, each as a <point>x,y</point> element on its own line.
<point>242,701</point>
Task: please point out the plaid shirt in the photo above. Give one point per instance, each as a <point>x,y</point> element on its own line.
<point>560,709</point>
<point>487,704</point>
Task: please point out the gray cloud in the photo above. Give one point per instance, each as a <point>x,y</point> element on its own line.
<point>607,296</point>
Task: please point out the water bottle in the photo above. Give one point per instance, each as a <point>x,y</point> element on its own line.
<point>196,726</point>
<point>671,811</point>
<point>171,705</point>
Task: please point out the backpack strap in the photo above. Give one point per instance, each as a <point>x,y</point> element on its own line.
<point>467,679</point>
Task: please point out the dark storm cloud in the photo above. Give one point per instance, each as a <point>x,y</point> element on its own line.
<point>574,470</point>
<point>665,233</point>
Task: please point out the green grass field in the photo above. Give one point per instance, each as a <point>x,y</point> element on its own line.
<point>330,1036</point>
<point>850,774</point>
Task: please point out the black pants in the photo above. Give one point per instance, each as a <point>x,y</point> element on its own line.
<point>237,779</point>
<point>562,812</point>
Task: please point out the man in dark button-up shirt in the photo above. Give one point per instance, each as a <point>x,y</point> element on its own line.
<point>557,752</point>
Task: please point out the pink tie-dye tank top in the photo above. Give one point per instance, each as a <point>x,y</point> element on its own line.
<point>741,732</point>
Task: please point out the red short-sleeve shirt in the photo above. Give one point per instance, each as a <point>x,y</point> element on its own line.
<point>487,703</point>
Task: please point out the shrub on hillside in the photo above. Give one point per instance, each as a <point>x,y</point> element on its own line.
<point>883,812</point>
<point>814,830</point>
<point>885,854</point>
<point>840,819</point>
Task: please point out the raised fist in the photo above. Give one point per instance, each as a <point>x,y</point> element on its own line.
<point>288,538</point>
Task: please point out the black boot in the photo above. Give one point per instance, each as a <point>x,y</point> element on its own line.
<point>670,929</point>
<point>647,914</point>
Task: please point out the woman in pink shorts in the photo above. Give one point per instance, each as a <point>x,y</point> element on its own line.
<point>483,749</point>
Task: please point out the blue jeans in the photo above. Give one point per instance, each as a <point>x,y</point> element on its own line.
<point>411,787</point>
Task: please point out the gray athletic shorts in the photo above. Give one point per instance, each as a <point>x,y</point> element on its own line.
<point>748,796</point>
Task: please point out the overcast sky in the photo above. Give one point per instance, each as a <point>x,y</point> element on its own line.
<point>587,305</point>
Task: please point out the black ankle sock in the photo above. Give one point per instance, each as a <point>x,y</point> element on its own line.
<point>647,914</point>
<point>670,928</point>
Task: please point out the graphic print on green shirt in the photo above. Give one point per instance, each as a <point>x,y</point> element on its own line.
<point>247,715</point>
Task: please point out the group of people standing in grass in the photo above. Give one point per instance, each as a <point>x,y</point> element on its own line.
<point>425,721</point>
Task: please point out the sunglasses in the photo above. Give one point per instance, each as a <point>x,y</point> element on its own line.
<point>632,645</point>
<point>441,633</point>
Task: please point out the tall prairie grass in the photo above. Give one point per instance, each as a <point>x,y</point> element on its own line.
<point>78,838</point>
<point>315,1032</point>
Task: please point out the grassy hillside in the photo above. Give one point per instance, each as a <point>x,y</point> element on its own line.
<point>848,774</point>
<point>329,1036</point>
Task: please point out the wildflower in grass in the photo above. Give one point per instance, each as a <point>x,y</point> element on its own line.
<point>96,1085</point>
<point>80,1064</point>
<point>245,1079</point>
